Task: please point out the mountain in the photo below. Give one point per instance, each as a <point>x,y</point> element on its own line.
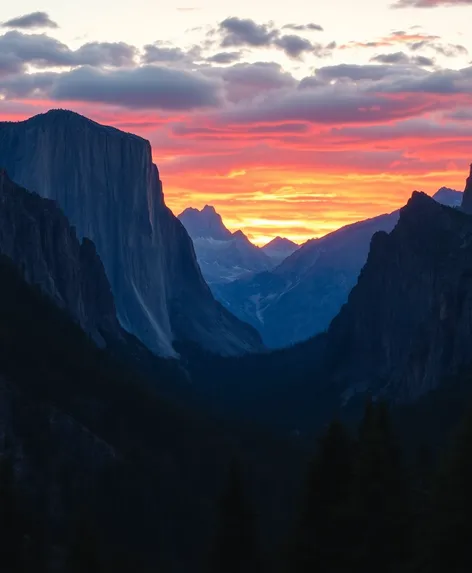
<point>37,236</point>
<point>206,224</point>
<point>107,185</point>
<point>408,322</point>
<point>301,296</point>
<point>279,249</point>
<point>223,256</point>
<point>91,439</point>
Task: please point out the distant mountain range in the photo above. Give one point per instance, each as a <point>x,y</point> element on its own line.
<point>110,190</point>
<point>224,256</point>
<point>301,296</point>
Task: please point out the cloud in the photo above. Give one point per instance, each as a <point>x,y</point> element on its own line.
<point>159,53</point>
<point>35,20</point>
<point>448,50</point>
<point>42,51</point>
<point>402,58</point>
<point>149,87</point>
<point>225,57</point>
<point>303,27</point>
<point>245,32</point>
<point>294,46</point>
<point>237,32</point>
<point>245,81</point>
<point>430,3</point>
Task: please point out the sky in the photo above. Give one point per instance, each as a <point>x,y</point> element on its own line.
<point>291,118</point>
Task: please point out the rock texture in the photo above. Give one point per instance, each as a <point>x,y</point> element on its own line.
<point>300,297</point>
<point>109,188</point>
<point>223,256</point>
<point>37,236</point>
<point>408,321</point>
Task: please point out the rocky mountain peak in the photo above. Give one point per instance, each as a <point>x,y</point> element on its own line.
<point>206,223</point>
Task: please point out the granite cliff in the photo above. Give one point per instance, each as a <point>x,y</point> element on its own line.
<point>107,185</point>
<point>37,236</point>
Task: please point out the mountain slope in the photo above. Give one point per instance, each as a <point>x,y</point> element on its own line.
<point>108,187</point>
<point>223,256</point>
<point>300,297</point>
<point>408,321</point>
<point>89,435</point>
<point>37,236</point>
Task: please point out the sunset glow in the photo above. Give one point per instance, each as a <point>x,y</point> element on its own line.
<point>282,136</point>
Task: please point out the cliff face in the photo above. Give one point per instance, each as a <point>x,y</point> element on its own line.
<point>467,197</point>
<point>106,183</point>
<point>408,321</point>
<point>37,236</point>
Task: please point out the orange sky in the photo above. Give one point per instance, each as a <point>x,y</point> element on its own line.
<point>280,144</point>
<point>300,186</point>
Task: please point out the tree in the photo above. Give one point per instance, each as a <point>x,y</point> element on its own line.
<point>381,499</point>
<point>323,536</point>
<point>235,546</point>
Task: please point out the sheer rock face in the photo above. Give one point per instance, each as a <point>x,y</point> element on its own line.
<point>37,236</point>
<point>110,190</point>
<point>408,321</point>
<point>467,197</point>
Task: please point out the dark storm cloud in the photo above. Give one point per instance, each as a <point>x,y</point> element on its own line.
<point>34,20</point>
<point>430,3</point>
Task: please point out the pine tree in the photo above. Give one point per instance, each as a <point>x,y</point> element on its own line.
<point>323,536</point>
<point>381,499</point>
<point>235,546</point>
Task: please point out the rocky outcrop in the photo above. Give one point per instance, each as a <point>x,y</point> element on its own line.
<point>37,236</point>
<point>109,188</point>
<point>408,321</point>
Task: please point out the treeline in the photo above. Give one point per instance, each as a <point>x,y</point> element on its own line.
<point>363,509</point>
